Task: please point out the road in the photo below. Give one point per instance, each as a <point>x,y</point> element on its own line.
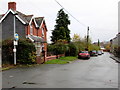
<point>97,72</point>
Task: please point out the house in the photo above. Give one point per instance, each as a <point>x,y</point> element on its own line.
<point>26,26</point>
<point>115,43</point>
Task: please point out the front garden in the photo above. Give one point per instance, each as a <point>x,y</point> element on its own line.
<point>62,60</point>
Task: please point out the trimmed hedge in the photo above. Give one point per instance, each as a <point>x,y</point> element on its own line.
<point>56,49</point>
<point>72,50</point>
<point>7,52</point>
<point>60,48</point>
<point>25,52</point>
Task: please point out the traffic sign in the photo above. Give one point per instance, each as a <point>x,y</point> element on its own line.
<point>16,37</point>
<point>15,42</point>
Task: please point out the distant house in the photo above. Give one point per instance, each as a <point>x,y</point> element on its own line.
<point>115,43</point>
<point>26,26</point>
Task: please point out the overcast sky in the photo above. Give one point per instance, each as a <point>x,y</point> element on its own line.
<point>100,15</point>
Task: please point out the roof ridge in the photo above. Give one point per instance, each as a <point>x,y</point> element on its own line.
<point>20,13</point>
<point>29,15</point>
<point>38,17</point>
<point>25,17</point>
<point>24,14</point>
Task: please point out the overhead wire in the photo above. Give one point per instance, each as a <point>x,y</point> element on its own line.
<point>71,14</point>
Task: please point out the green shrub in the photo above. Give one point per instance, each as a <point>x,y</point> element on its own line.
<point>7,52</point>
<point>57,48</point>
<point>25,52</point>
<point>61,48</point>
<point>72,50</point>
<point>50,48</point>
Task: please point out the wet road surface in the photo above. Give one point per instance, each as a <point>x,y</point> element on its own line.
<point>97,72</point>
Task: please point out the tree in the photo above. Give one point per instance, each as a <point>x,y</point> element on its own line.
<point>86,44</point>
<point>78,42</point>
<point>107,46</point>
<point>72,50</point>
<point>61,31</point>
<point>76,38</point>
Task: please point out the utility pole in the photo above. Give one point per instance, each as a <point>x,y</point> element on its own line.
<point>98,42</point>
<point>88,38</point>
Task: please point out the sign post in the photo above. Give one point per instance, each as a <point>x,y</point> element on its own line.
<point>16,38</point>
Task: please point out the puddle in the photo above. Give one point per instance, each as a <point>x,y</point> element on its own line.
<point>28,83</point>
<point>32,83</point>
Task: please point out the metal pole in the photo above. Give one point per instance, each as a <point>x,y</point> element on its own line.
<point>98,43</point>
<point>15,55</point>
<point>14,43</point>
<point>88,38</point>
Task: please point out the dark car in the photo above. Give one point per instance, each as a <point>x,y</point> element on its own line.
<point>93,53</point>
<point>84,54</point>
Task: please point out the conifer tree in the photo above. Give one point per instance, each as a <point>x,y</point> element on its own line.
<point>61,30</point>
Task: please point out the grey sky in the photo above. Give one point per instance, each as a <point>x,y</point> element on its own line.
<point>100,15</point>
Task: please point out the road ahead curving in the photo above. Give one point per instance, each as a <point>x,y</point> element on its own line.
<point>97,72</point>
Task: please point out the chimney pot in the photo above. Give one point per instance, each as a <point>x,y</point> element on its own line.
<point>12,5</point>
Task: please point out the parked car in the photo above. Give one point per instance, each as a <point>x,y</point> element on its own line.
<point>99,52</point>
<point>102,51</point>
<point>84,54</point>
<point>93,53</point>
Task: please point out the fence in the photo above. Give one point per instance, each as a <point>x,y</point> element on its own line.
<point>54,57</point>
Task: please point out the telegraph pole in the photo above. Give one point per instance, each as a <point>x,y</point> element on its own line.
<point>88,38</point>
<point>98,42</point>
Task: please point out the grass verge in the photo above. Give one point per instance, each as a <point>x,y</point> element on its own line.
<point>62,60</point>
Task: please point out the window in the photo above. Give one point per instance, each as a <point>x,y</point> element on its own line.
<point>31,30</point>
<point>42,32</point>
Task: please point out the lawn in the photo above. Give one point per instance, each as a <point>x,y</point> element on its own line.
<point>62,60</point>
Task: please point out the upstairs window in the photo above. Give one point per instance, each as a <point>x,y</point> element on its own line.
<point>31,30</point>
<point>42,32</point>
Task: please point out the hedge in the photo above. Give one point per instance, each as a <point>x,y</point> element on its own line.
<point>25,52</point>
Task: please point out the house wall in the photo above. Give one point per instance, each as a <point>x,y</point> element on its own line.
<point>45,36</point>
<point>8,27</point>
<point>0,42</point>
<point>0,33</point>
<point>115,42</point>
<point>34,29</point>
<point>38,32</point>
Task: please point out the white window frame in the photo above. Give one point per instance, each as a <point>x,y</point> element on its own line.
<point>31,30</point>
<point>43,32</point>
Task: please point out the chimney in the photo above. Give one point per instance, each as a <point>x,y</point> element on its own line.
<point>12,5</point>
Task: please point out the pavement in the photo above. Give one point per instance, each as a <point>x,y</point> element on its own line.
<point>97,72</point>
<point>115,58</point>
